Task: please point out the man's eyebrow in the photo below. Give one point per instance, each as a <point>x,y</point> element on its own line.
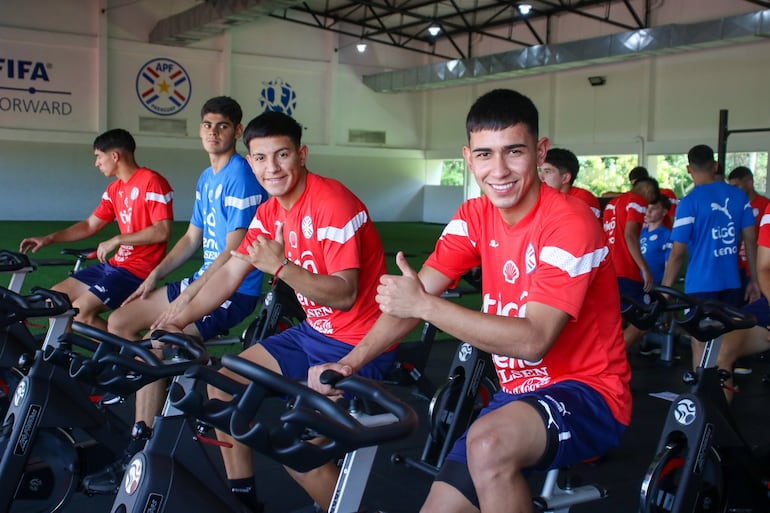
<point>506,147</point>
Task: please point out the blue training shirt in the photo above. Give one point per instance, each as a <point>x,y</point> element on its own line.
<point>656,247</point>
<point>709,220</point>
<point>224,202</point>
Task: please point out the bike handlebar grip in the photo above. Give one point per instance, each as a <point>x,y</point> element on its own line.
<point>193,347</point>
<point>330,377</point>
<point>12,261</point>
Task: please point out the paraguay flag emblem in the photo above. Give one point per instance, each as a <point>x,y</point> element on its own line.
<point>163,86</point>
<point>531,259</point>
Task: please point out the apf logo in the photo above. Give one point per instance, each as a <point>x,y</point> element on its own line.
<point>163,86</point>
<point>278,96</point>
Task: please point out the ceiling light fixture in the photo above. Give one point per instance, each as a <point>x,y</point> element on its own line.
<point>434,30</point>
<point>524,8</point>
<point>597,81</point>
<point>361,47</point>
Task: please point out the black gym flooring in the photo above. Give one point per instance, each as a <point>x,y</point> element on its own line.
<point>399,489</point>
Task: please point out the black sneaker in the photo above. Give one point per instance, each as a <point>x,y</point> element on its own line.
<point>109,399</point>
<point>107,480</point>
<point>647,348</point>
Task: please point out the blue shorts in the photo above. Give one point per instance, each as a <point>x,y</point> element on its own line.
<point>229,313</point>
<point>761,310</point>
<point>632,289</point>
<point>301,347</point>
<point>733,297</point>
<point>580,426</point>
<point>112,285</point>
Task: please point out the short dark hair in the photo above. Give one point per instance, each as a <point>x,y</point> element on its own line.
<point>499,109</point>
<point>740,173</point>
<point>271,124</point>
<point>115,139</point>
<point>700,155</point>
<point>564,160</point>
<point>225,106</point>
<point>637,173</point>
<point>663,201</point>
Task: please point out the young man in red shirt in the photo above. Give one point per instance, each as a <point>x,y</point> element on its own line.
<point>550,317</point>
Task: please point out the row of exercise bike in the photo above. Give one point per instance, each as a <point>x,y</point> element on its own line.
<point>701,464</point>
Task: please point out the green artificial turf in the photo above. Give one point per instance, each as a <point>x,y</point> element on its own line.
<point>416,240</point>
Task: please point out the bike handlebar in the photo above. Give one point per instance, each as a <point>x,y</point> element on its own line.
<point>11,261</point>
<point>40,303</point>
<point>123,366</point>
<point>703,319</point>
<point>282,434</point>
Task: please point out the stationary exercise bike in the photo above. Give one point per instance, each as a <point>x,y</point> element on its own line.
<point>40,458</point>
<point>174,450</point>
<point>702,462</point>
<point>260,416</point>
<point>471,383</point>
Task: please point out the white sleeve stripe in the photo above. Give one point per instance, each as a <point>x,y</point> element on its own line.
<point>160,198</point>
<point>198,195</point>
<point>765,220</point>
<point>256,224</point>
<point>596,211</point>
<point>684,221</point>
<point>636,206</point>
<point>458,227</point>
<point>243,203</point>
<point>572,265</point>
<point>106,197</point>
<point>344,234</point>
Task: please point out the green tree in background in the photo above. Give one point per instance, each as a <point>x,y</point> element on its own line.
<point>605,174</point>
<point>672,174</point>
<point>609,173</point>
<point>453,172</point>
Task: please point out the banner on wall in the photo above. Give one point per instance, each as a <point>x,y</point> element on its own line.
<point>48,88</point>
<point>278,96</point>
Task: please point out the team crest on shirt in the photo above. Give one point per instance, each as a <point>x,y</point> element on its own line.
<point>510,272</point>
<point>218,192</point>
<point>531,259</point>
<point>307,227</point>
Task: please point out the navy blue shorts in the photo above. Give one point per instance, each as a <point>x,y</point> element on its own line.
<point>580,426</point>
<point>634,290</point>
<point>761,310</point>
<point>112,285</point>
<point>733,297</point>
<point>229,313</point>
<point>301,347</point>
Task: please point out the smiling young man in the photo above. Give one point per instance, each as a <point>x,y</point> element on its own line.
<point>550,317</point>
<point>317,236</point>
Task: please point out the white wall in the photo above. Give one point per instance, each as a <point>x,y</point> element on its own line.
<point>661,104</point>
